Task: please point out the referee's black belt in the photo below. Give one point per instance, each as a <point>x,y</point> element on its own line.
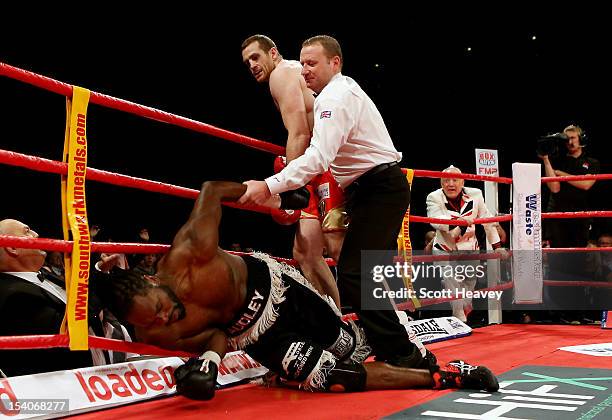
<point>370,176</point>
<point>378,169</point>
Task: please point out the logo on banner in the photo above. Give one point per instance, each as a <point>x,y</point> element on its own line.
<point>428,327</point>
<point>531,205</point>
<point>487,162</point>
<point>135,381</point>
<point>454,323</point>
<point>487,159</point>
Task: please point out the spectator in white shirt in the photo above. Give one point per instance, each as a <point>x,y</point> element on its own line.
<point>350,138</point>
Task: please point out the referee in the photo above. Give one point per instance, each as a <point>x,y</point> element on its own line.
<point>350,138</point>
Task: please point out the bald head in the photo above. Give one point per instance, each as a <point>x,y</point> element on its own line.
<point>452,186</point>
<point>9,226</point>
<point>452,169</point>
<point>19,259</point>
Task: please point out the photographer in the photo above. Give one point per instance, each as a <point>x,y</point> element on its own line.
<point>567,196</point>
<point>570,195</point>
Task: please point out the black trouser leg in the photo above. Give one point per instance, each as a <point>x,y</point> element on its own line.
<point>376,207</point>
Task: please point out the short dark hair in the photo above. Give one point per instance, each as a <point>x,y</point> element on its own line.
<point>265,43</point>
<point>329,44</point>
<point>120,289</point>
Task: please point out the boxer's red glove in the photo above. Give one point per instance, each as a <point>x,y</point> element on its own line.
<point>285,217</point>
<point>279,163</point>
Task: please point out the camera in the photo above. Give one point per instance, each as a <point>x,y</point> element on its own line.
<point>550,144</point>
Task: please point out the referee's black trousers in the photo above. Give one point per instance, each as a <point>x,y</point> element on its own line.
<point>376,204</point>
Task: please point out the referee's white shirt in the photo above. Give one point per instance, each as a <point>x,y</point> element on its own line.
<point>349,137</point>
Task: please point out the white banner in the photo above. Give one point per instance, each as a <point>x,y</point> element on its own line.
<point>439,329</point>
<point>237,366</point>
<point>487,163</point>
<point>527,233</point>
<point>600,349</point>
<point>58,394</point>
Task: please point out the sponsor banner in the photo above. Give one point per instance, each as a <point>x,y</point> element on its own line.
<point>404,248</point>
<point>439,329</point>
<point>238,366</point>
<point>58,394</point>
<point>601,349</point>
<point>529,392</point>
<point>527,233</point>
<point>90,389</point>
<point>74,217</point>
<point>487,162</point>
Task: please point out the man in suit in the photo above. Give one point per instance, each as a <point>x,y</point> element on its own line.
<point>455,202</point>
<point>31,304</point>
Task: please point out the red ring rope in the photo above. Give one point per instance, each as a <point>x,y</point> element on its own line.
<point>20,342</point>
<point>65,89</point>
<point>126,248</point>
<point>140,248</point>
<point>455,257</point>
<point>457,222</point>
<point>51,166</point>
<point>439,174</point>
<point>562,283</point>
<point>576,178</point>
<point>423,173</point>
<point>585,249</point>
<point>46,165</point>
<point>575,214</point>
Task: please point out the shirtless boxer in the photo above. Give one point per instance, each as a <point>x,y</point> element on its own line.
<point>295,103</point>
<point>206,301</point>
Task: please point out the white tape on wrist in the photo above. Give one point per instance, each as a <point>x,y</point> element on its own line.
<point>212,356</point>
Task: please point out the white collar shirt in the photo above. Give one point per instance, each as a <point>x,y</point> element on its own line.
<point>50,287</point>
<point>349,138</point>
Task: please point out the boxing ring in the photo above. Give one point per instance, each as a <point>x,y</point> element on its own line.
<point>539,349</point>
